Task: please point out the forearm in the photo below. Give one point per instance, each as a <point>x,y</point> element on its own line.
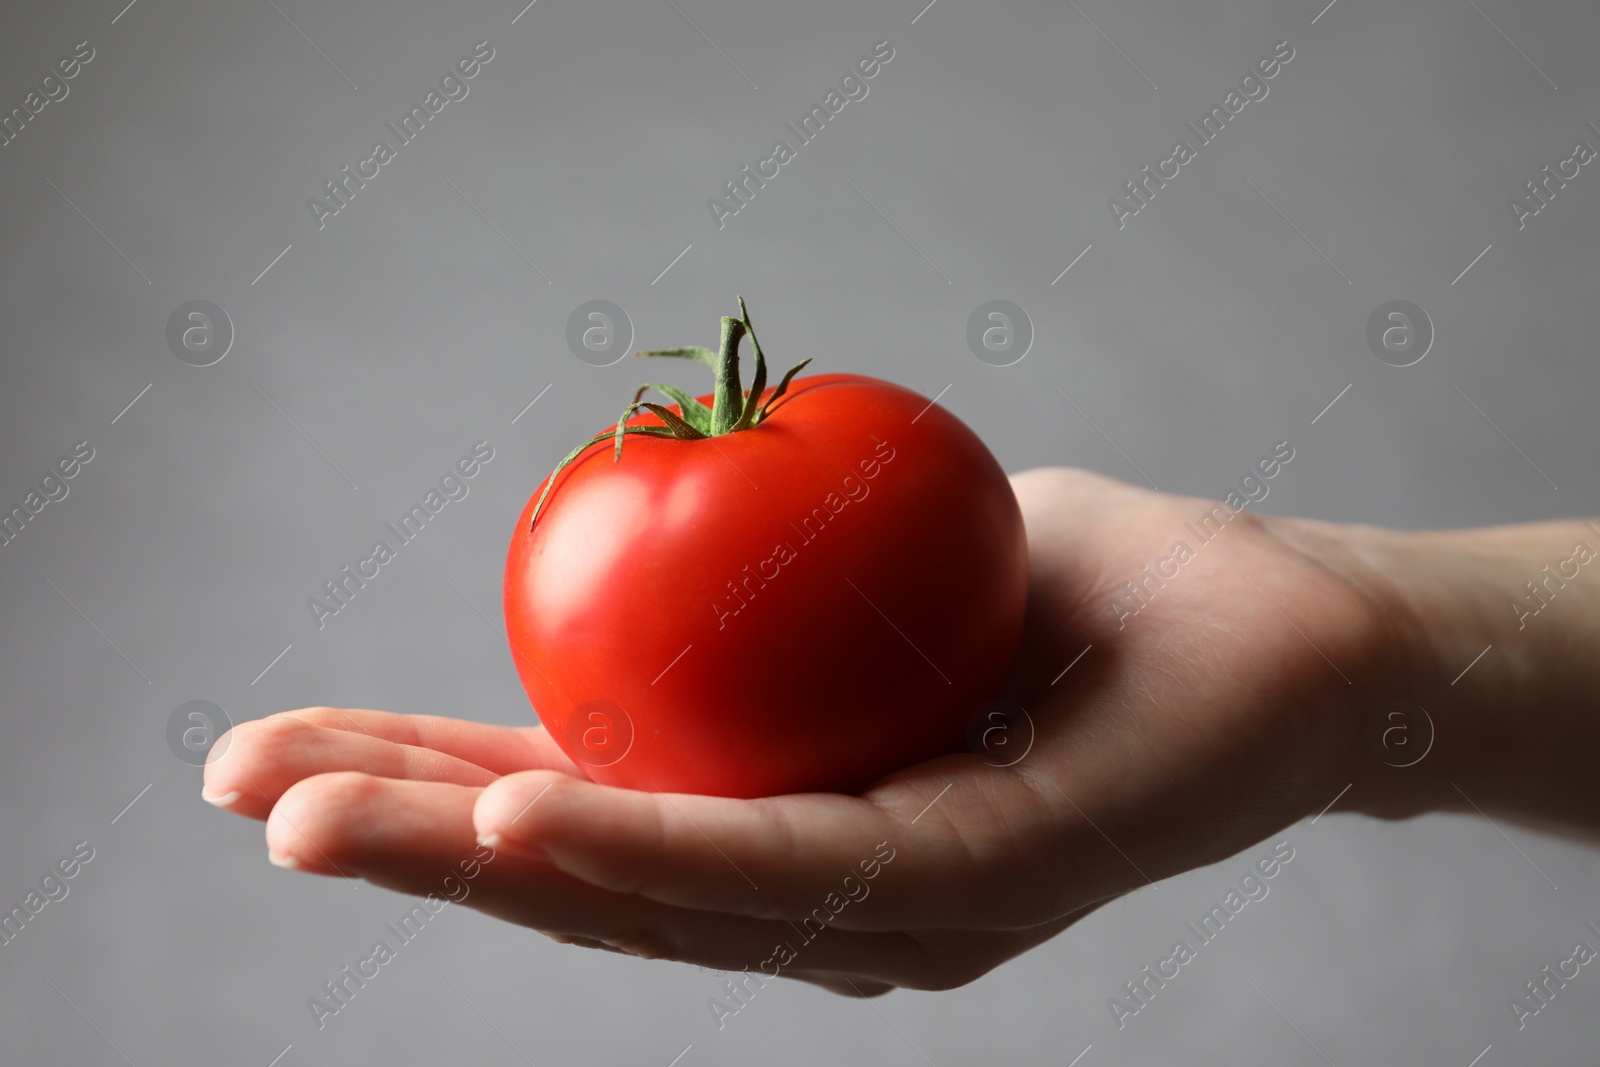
<point>1505,658</point>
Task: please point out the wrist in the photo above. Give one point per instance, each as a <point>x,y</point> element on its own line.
<point>1498,631</point>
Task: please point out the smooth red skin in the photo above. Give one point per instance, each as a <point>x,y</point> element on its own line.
<point>810,687</point>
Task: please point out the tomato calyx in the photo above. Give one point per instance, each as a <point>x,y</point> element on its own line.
<point>732,409</point>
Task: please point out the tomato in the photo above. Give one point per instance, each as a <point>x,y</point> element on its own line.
<point>804,604</point>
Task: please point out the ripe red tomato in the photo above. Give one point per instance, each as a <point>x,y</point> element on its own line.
<point>806,604</point>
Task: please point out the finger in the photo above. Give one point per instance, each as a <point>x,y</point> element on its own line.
<point>264,757</point>
<point>846,985</point>
<point>928,844</point>
<point>501,749</point>
<point>418,838</point>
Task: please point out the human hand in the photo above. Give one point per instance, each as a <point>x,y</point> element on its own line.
<point>1227,708</point>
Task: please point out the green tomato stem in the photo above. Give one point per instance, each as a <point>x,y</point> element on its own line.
<point>732,409</point>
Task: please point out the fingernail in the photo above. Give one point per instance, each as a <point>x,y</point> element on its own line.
<point>224,800</point>
<point>501,843</point>
<point>289,862</point>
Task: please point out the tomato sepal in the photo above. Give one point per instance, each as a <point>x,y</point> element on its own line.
<point>732,408</point>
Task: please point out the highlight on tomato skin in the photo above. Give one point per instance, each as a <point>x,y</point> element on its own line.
<point>748,593</point>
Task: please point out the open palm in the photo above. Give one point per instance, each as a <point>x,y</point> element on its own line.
<point>1228,707</point>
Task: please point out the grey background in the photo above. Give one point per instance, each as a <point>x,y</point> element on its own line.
<point>407,328</point>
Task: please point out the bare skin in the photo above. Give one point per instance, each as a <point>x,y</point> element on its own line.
<point>1238,701</point>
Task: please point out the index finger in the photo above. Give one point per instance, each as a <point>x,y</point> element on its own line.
<point>497,749</point>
